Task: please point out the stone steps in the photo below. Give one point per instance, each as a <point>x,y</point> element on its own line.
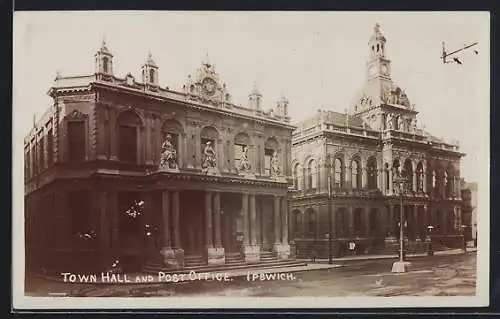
<point>193,261</point>
<point>271,263</point>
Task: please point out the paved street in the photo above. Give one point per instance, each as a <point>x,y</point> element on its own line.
<point>450,275</point>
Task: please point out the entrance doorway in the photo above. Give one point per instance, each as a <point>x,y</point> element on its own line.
<point>132,231</point>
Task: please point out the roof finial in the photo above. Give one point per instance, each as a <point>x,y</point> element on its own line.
<point>377,28</point>
<point>207,61</point>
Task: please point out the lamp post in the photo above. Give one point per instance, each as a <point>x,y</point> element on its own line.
<point>328,167</point>
<point>428,239</point>
<point>401,265</point>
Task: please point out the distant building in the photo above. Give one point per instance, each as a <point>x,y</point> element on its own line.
<point>358,156</point>
<point>469,210</point>
<point>120,168</point>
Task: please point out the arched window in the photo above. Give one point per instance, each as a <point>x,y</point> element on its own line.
<point>312,175</point>
<point>105,62</point>
<point>152,75</point>
<point>448,184</point>
<point>338,173</point>
<point>408,174</point>
<point>296,176</point>
<point>420,177</point>
<point>355,174</point>
<point>371,168</point>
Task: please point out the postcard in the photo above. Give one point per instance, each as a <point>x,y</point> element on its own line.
<point>250,159</point>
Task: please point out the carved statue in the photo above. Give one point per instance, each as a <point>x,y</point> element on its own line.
<point>210,158</point>
<point>168,154</point>
<point>414,125</point>
<point>401,124</point>
<point>390,121</point>
<point>275,168</point>
<point>244,162</point>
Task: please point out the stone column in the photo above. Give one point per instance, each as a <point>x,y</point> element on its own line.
<point>220,154</point>
<point>148,147</point>
<point>250,252</point>
<point>253,220</point>
<point>281,247</point>
<point>215,255</point>
<point>284,218</point>
<point>347,175</point>
<point>364,176</point>
<point>276,214</point>
<point>175,219</point>
<point>148,214</point>
<point>244,216</point>
<point>208,220</point>
<point>414,185</point>
<point>217,224</point>
<point>167,251</point>
<point>197,147</point>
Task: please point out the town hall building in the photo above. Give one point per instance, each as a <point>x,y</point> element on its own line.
<point>123,170</point>
<point>354,164</point>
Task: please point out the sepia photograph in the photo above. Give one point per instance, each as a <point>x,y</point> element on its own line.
<point>204,159</point>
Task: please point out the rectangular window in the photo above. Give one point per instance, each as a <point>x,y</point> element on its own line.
<point>50,148</point>
<point>76,141</point>
<point>268,154</point>
<point>128,143</point>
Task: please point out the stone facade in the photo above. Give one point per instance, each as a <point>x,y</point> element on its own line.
<point>128,170</point>
<point>347,165</point>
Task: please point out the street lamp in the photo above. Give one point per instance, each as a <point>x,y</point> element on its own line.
<point>329,165</point>
<point>428,240</point>
<point>401,265</point>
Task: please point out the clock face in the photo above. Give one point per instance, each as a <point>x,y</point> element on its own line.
<point>384,69</point>
<point>209,86</point>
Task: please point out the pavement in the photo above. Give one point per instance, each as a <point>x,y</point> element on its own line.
<point>139,284</point>
<point>377,257</point>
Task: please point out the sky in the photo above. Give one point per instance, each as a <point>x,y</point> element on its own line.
<point>316,59</point>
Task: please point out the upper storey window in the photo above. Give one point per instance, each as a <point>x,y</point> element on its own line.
<point>76,141</point>
<point>129,125</point>
<point>312,175</point>
<point>339,176</point>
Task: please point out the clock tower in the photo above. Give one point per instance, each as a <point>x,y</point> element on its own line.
<point>378,65</point>
<point>382,104</point>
